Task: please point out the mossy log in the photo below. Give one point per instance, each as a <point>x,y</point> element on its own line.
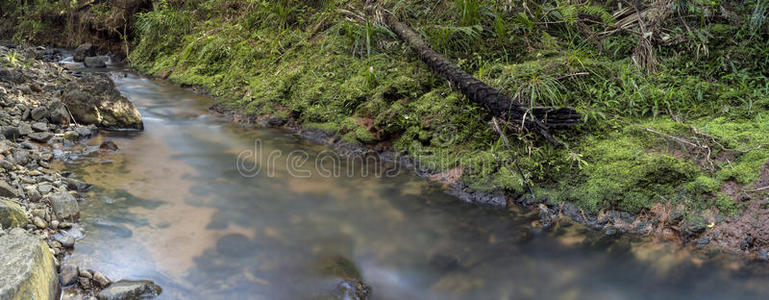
<point>538,119</point>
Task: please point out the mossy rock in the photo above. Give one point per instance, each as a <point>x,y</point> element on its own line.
<point>12,215</point>
<point>339,266</point>
<point>27,269</point>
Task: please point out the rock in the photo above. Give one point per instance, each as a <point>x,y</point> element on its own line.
<point>94,100</point>
<point>83,51</point>
<point>57,113</point>
<point>44,188</point>
<point>27,267</point>
<point>130,290</point>
<point>11,132</point>
<point>21,157</point>
<point>353,290</point>
<point>6,190</point>
<point>68,274</point>
<point>85,283</point>
<point>86,274</point>
<point>94,62</point>
<point>12,215</point>
<point>77,185</point>
<point>40,126</point>
<point>64,205</point>
<point>39,223</point>
<point>71,135</point>
<point>83,132</point>
<point>66,241</point>
<point>102,280</point>
<point>702,242</point>
<point>108,145</point>
<point>38,113</point>
<point>40,137</point>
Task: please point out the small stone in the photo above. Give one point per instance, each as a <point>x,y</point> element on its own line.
<point>86,274</point>
<point>128,290</point>
<point>44,188</point>
<point>102,280</point>
<point>39,222</point>
<point>109,145</point>
<point>610,231</point>
<point>702,242</point>
<point>83,131</point>
<point>66,241</point>
<point>68,274</point>
<point>6,190</point>
<point>71,135</point>
<point>40,137</point>
<point>54,224</point>
<point>40,126</point>
<point>85,282</point>
<point>38,113</point>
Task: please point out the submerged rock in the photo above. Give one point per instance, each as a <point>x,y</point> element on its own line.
<point>27,269</point>
<point>94,62</point>
<point>12,215</point>
<point>130,290</point>
<point>95,100</point>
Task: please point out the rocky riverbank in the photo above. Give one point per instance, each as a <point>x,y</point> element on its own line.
<point>46,113</point>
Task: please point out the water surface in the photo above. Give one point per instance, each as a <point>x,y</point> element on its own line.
<point>170,206</point>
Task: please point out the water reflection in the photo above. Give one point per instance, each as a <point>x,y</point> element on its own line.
<point>171,207</point>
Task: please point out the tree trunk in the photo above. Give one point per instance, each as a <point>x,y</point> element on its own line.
<point>537,119</point>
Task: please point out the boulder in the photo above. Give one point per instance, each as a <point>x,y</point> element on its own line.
<point>130,290</point>
<point>83,51</point>
<point>94,62</point>
<point>95,100</point>
<point>12,215</point>
<point>27,268</point>
<point>57,113</point>
<point>6,190</point>
<point>64,205</point>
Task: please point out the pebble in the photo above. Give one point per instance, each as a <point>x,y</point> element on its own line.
<point>66,241</point>
<point>68,274</point>
<point>702,242</point>
<point>102,280</point>
<point>40,223</point>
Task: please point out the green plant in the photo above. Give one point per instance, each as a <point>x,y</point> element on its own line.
<point>12,59</point>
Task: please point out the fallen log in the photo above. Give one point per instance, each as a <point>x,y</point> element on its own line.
<point>539,119</point>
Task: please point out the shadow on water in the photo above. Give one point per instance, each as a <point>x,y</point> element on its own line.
<point>170,206</point>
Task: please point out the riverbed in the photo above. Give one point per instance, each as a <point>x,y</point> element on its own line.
<point>211,210</point>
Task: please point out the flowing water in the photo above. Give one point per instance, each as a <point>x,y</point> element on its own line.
<point>171,206</point>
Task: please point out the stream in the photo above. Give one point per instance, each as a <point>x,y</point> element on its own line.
<point>171,206</point>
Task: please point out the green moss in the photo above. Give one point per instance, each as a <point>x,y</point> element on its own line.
<point>727,206</point>
<point>703,184</point>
